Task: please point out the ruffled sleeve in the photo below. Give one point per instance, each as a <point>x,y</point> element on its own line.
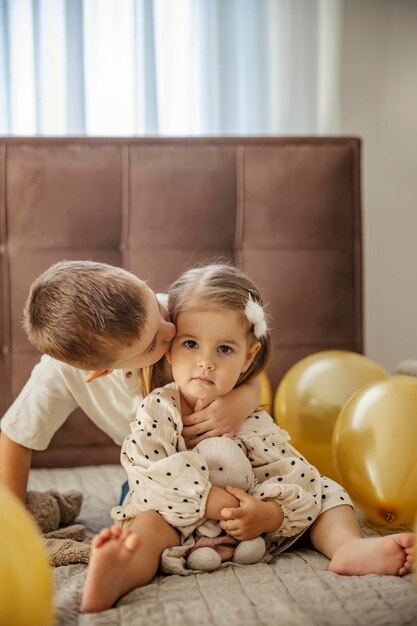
<point>296,487</point>
<point>161,478</point>
<point>282,474</point>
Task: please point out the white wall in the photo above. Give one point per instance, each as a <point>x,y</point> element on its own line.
<point>379,103</point>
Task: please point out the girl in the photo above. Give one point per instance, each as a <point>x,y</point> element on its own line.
<point>222,341</point>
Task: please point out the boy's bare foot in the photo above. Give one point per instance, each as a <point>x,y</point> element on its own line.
<point>392,555</point>
<point>112,551</point>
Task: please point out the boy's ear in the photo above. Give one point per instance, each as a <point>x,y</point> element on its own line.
<point>168,357</point>
<point>96,374</point>
<point>252,352</point>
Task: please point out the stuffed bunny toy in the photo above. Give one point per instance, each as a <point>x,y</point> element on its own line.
<point>228,465</point>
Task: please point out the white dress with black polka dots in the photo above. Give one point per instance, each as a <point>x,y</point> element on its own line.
<point>166,477</point>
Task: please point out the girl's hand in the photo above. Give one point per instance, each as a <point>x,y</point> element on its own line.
<point>207,421</point>
<point>252,518</point>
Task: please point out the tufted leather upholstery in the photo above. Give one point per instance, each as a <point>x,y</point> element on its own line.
<point>286,209</point>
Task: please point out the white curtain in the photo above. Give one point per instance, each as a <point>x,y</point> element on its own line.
<point>169,67</point>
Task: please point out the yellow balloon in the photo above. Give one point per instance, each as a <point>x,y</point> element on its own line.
<point>415,543</point>
<point>311,395</point>
<point>266,393</point>
<point>25,577</point>
<point>375,449</point>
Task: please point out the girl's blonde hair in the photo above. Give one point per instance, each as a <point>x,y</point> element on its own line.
<point>225,286</point>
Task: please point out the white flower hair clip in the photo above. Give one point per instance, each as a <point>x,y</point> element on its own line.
<point>255,314</point>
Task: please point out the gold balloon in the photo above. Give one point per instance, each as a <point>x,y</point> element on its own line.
<point>415,543</point>
<point>25,577</point>
<point>375,449</point>
<point>266,393</point>
<point>311,395</point>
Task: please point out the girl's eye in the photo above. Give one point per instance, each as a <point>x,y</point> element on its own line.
<point>225,349</point>
<point>190,344</point>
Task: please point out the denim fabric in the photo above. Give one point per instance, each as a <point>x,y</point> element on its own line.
<point>124,492</point>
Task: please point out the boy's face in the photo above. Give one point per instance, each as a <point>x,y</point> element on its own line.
<point>153,344</point>
<point>210,351</point>
<point>155,340</point>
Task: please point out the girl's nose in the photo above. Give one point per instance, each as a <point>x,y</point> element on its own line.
<point>206,364</point>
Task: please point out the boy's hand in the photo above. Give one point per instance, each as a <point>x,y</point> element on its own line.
<point>208,420</point>
<point>252,518</point>
<point>94,374</point>
<point>223,416</point>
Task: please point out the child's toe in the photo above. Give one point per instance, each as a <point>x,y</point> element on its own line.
<point>132,542</point>
<point>115,531</point>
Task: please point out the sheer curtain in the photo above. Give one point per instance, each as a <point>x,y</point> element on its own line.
<point>169,67</point>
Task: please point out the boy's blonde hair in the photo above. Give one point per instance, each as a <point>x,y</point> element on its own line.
<point>225,286</point>
<point>84,313</point>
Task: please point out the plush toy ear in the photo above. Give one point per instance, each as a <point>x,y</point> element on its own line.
<point>96,374</point>
<point>227,463</point>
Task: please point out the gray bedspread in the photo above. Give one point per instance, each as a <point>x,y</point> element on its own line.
<point>293,590</point>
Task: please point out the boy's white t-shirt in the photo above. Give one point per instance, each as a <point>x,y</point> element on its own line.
<point>54,390</point>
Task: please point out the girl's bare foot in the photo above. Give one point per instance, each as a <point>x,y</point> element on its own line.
<point>112,551</point>
<point>392,555</point>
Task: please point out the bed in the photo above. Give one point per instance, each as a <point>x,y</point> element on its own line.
<point>288,210</point>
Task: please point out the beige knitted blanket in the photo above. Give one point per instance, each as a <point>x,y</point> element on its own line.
<point>295,589</point>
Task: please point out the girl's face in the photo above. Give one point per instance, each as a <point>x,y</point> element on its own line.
<point>211,349</point>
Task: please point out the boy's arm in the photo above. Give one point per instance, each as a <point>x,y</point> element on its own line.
<point>224,415</point>
<point>14,466</point>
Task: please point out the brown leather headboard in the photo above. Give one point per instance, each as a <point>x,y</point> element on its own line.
<point>286,209</point>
